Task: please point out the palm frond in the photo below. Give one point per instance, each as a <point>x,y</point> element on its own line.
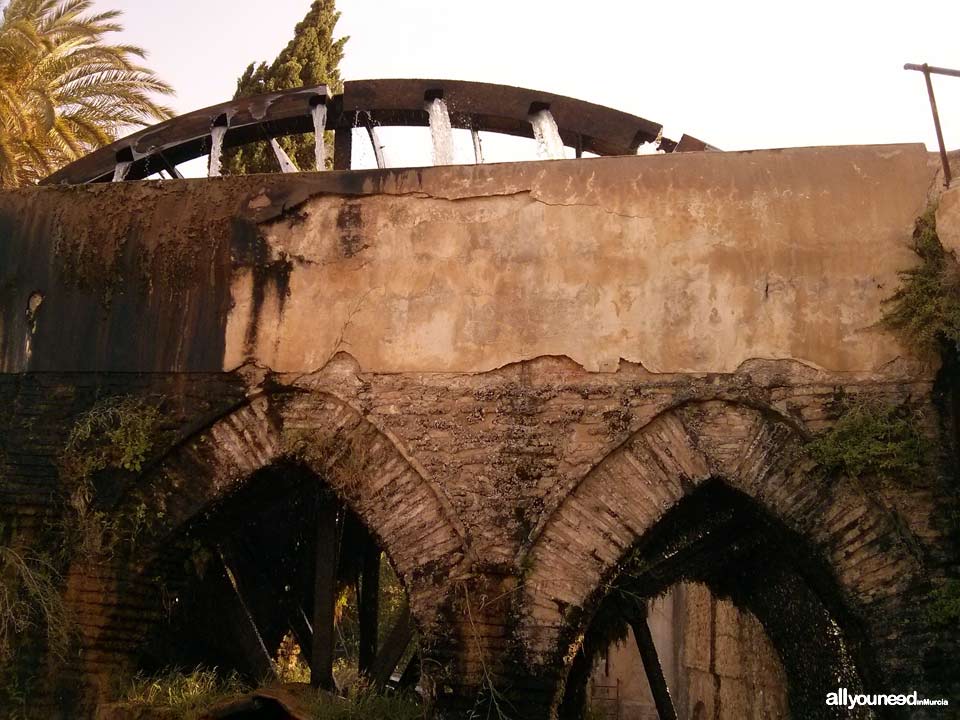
<point>64,90</point>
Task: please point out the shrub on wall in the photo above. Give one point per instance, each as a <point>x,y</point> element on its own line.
<point>117,433</point>
<point>944,609</point>
<point>872,439</point>
<point>925,309</point>
<point>30,598</point>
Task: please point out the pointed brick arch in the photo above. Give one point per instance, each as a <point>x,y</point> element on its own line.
<point>581,544</point>
<point>404,511</point>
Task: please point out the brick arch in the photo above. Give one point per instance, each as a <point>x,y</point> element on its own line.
<point>114,604</point>
<point>409,517</point>
<point>583,542</point>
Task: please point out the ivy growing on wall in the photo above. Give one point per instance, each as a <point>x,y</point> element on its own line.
<point>118,433</point>
<point>115,434</point>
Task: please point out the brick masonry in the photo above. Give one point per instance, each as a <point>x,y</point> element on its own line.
<point>519,490</point>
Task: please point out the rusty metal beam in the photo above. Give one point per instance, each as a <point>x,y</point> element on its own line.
<point>927,70</point>
<point>933,69</point>
<point>473,106</point>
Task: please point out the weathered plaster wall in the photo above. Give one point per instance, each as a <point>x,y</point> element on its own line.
<point>682,263</point>
<point>948,219</point>
<point>688,263</point>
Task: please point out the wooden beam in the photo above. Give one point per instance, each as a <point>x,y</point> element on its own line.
<point>651,665</point>
<point>324,593</point>
<point>369,601</point>
<point>393,648</point>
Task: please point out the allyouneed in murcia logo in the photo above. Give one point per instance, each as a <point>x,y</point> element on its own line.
<point>845,699</point>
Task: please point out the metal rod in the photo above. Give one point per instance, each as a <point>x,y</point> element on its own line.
<point>171,168</point>
<point>936,123</point>
<point>931,69</point>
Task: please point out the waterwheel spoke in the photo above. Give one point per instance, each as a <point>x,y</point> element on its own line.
<point>369,603</point>
<point>393,649</point>
<point>652,667</point>
<point>324,594</point>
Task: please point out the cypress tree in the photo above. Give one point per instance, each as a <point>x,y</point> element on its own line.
<point>312,57</point>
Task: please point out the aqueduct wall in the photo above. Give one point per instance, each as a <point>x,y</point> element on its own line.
<point>527,368</point>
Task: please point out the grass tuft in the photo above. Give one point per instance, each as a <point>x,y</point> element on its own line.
<point>189,694</point>
<point>364,703</point>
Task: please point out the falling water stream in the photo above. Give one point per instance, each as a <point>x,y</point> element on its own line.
<point>286,164</point>
<point>440,132</point>
<point>121,170</point>
<point>477,146</point>
<point>319,113</point>
<point>549,144</point>
<point>216,148</point>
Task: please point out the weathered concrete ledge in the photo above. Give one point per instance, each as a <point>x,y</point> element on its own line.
<point>682,263</point>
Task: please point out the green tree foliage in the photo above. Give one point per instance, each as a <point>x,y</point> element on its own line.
<point>312,57</point>
<point>925,309</point>
<point>64,90</point>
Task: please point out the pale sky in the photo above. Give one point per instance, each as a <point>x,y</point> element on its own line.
<point>738,75</point>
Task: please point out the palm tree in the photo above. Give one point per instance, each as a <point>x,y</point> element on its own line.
<point>64,91</point>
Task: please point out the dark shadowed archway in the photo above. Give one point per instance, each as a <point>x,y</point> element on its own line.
<point>720,493</point>
<point>274,474</point>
